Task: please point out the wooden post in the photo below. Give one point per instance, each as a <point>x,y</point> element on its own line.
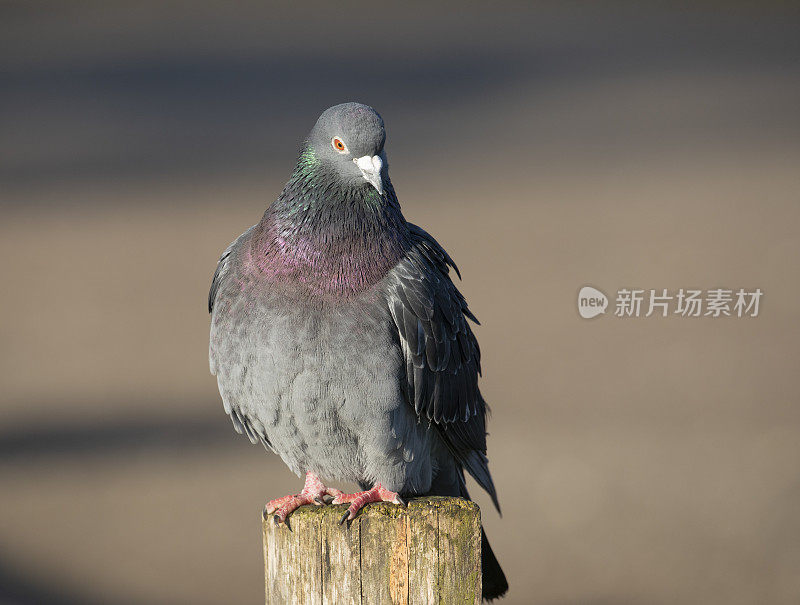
<point>429,552</point>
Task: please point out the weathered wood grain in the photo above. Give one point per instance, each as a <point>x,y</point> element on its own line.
<point>428,552</point>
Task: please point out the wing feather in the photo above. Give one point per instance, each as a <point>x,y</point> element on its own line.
<point>442,354</point>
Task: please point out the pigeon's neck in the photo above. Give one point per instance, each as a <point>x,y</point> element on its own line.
<point>329,238</point>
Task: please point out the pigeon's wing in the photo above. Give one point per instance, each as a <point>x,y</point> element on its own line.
<point>223,265</point>
<point>242,423</point>
<point>441,353</point>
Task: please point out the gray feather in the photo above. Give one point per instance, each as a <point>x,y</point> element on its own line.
<point>339,340</point>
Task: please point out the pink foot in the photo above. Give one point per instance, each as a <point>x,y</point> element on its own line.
<point>314,492</point>
<point>359,499</point>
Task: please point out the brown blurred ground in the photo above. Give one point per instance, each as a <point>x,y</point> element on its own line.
<point>547,147</point>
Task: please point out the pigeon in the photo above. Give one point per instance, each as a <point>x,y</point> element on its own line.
<point>340,342</point>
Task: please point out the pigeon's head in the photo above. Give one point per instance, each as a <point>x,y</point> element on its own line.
<point>349,138</point>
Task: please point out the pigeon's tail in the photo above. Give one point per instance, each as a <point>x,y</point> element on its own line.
<point>494,580</point>
<point>450,482</point>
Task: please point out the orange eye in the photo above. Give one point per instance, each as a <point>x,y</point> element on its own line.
<point>338,144</point>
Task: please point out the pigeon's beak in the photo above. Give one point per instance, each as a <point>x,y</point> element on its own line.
<point>371,167</point>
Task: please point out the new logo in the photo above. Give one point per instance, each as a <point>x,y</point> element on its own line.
<point>591,302</point>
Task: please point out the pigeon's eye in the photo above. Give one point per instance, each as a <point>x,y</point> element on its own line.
<point>338,145</point>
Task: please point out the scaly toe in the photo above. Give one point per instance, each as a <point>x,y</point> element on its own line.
<point>360,499</point>
<point>314,492</point>
<point>274,505</point>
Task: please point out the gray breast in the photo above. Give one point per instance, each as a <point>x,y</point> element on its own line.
<point>320,382</point>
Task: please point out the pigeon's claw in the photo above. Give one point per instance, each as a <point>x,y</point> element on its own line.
<point>327,497</point>
<point>360,499</point>
<point>291,505</point>
<point>314,492</point>
<point>274,505</point>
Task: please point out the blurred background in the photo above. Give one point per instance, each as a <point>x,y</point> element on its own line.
<point>547,146</point>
